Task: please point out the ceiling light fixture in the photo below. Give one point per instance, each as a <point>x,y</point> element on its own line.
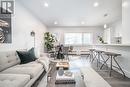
<point>105,26</point>
<point>125,4</point>
<point>46,4</point>
<point>55,22</point>
<point>82,22</point>
<point>96,4</point>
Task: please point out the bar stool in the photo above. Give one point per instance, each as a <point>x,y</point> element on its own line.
<point>91,54</point>
<point>98,56</point>
<point>112,56</point>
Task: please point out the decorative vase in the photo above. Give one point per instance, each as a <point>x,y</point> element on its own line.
<point>61,71</point>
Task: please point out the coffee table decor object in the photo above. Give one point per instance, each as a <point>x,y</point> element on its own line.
<point>61,71</point>
<point>66,78</point>
<point>64,65</point>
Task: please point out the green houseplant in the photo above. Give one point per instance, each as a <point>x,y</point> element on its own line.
<point>49,41</point>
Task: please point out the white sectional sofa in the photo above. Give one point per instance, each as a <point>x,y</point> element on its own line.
<point>14,74</point>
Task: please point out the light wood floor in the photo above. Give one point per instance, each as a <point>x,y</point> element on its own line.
<point>76,62</point>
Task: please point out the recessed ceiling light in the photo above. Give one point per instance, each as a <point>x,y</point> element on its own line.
<point>82,22</point>
<point>55,22</point>
<point>46,4</point>
<point>125,4</point>
<point>105,26</point>
<point>96,4</point>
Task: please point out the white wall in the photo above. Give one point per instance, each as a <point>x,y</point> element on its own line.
<point>126,22</point>
<point>115,30</point>
<point>121,28</point>
<point>117,26</point>
<point>96,31</point>
<point>23,22</point>
<point>107,35</point>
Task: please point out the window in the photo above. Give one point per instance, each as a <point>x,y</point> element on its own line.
<point>73,38</point>
<point>77,38</point>
<point>56,35</point>
<point>87,38</point>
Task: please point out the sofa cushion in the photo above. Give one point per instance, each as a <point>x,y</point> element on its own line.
<point>27,56</point>
<point>32,69</point>
<point>45,62</point>
<point>8,59</point>
<point>14,80</point>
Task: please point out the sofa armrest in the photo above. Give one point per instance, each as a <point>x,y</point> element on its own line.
<point>43,54</point>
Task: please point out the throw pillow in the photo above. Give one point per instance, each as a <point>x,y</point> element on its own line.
<point>27,56</point>
<point>24,57</point>
<point>32,53</point>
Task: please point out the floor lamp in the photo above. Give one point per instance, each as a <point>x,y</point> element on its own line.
<point>33,35</point>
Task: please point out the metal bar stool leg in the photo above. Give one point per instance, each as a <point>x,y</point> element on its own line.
<point>90,56</point>
<point>111,65</point>
<point>94,58</point>
<point>104,62</point>
<point>87,56</point>
<point>119,66</point>
<point>98,59</point>
<point>100,56</point>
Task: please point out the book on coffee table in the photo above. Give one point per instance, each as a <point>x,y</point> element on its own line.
<point>65,65</point>
<point>66,78</point>
<point>65,82</point>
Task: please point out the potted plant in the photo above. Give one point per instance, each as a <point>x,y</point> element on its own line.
<point>101,39</point>
<point>49,41</point>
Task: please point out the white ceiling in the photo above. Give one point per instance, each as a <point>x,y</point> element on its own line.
<point>72,12</point>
